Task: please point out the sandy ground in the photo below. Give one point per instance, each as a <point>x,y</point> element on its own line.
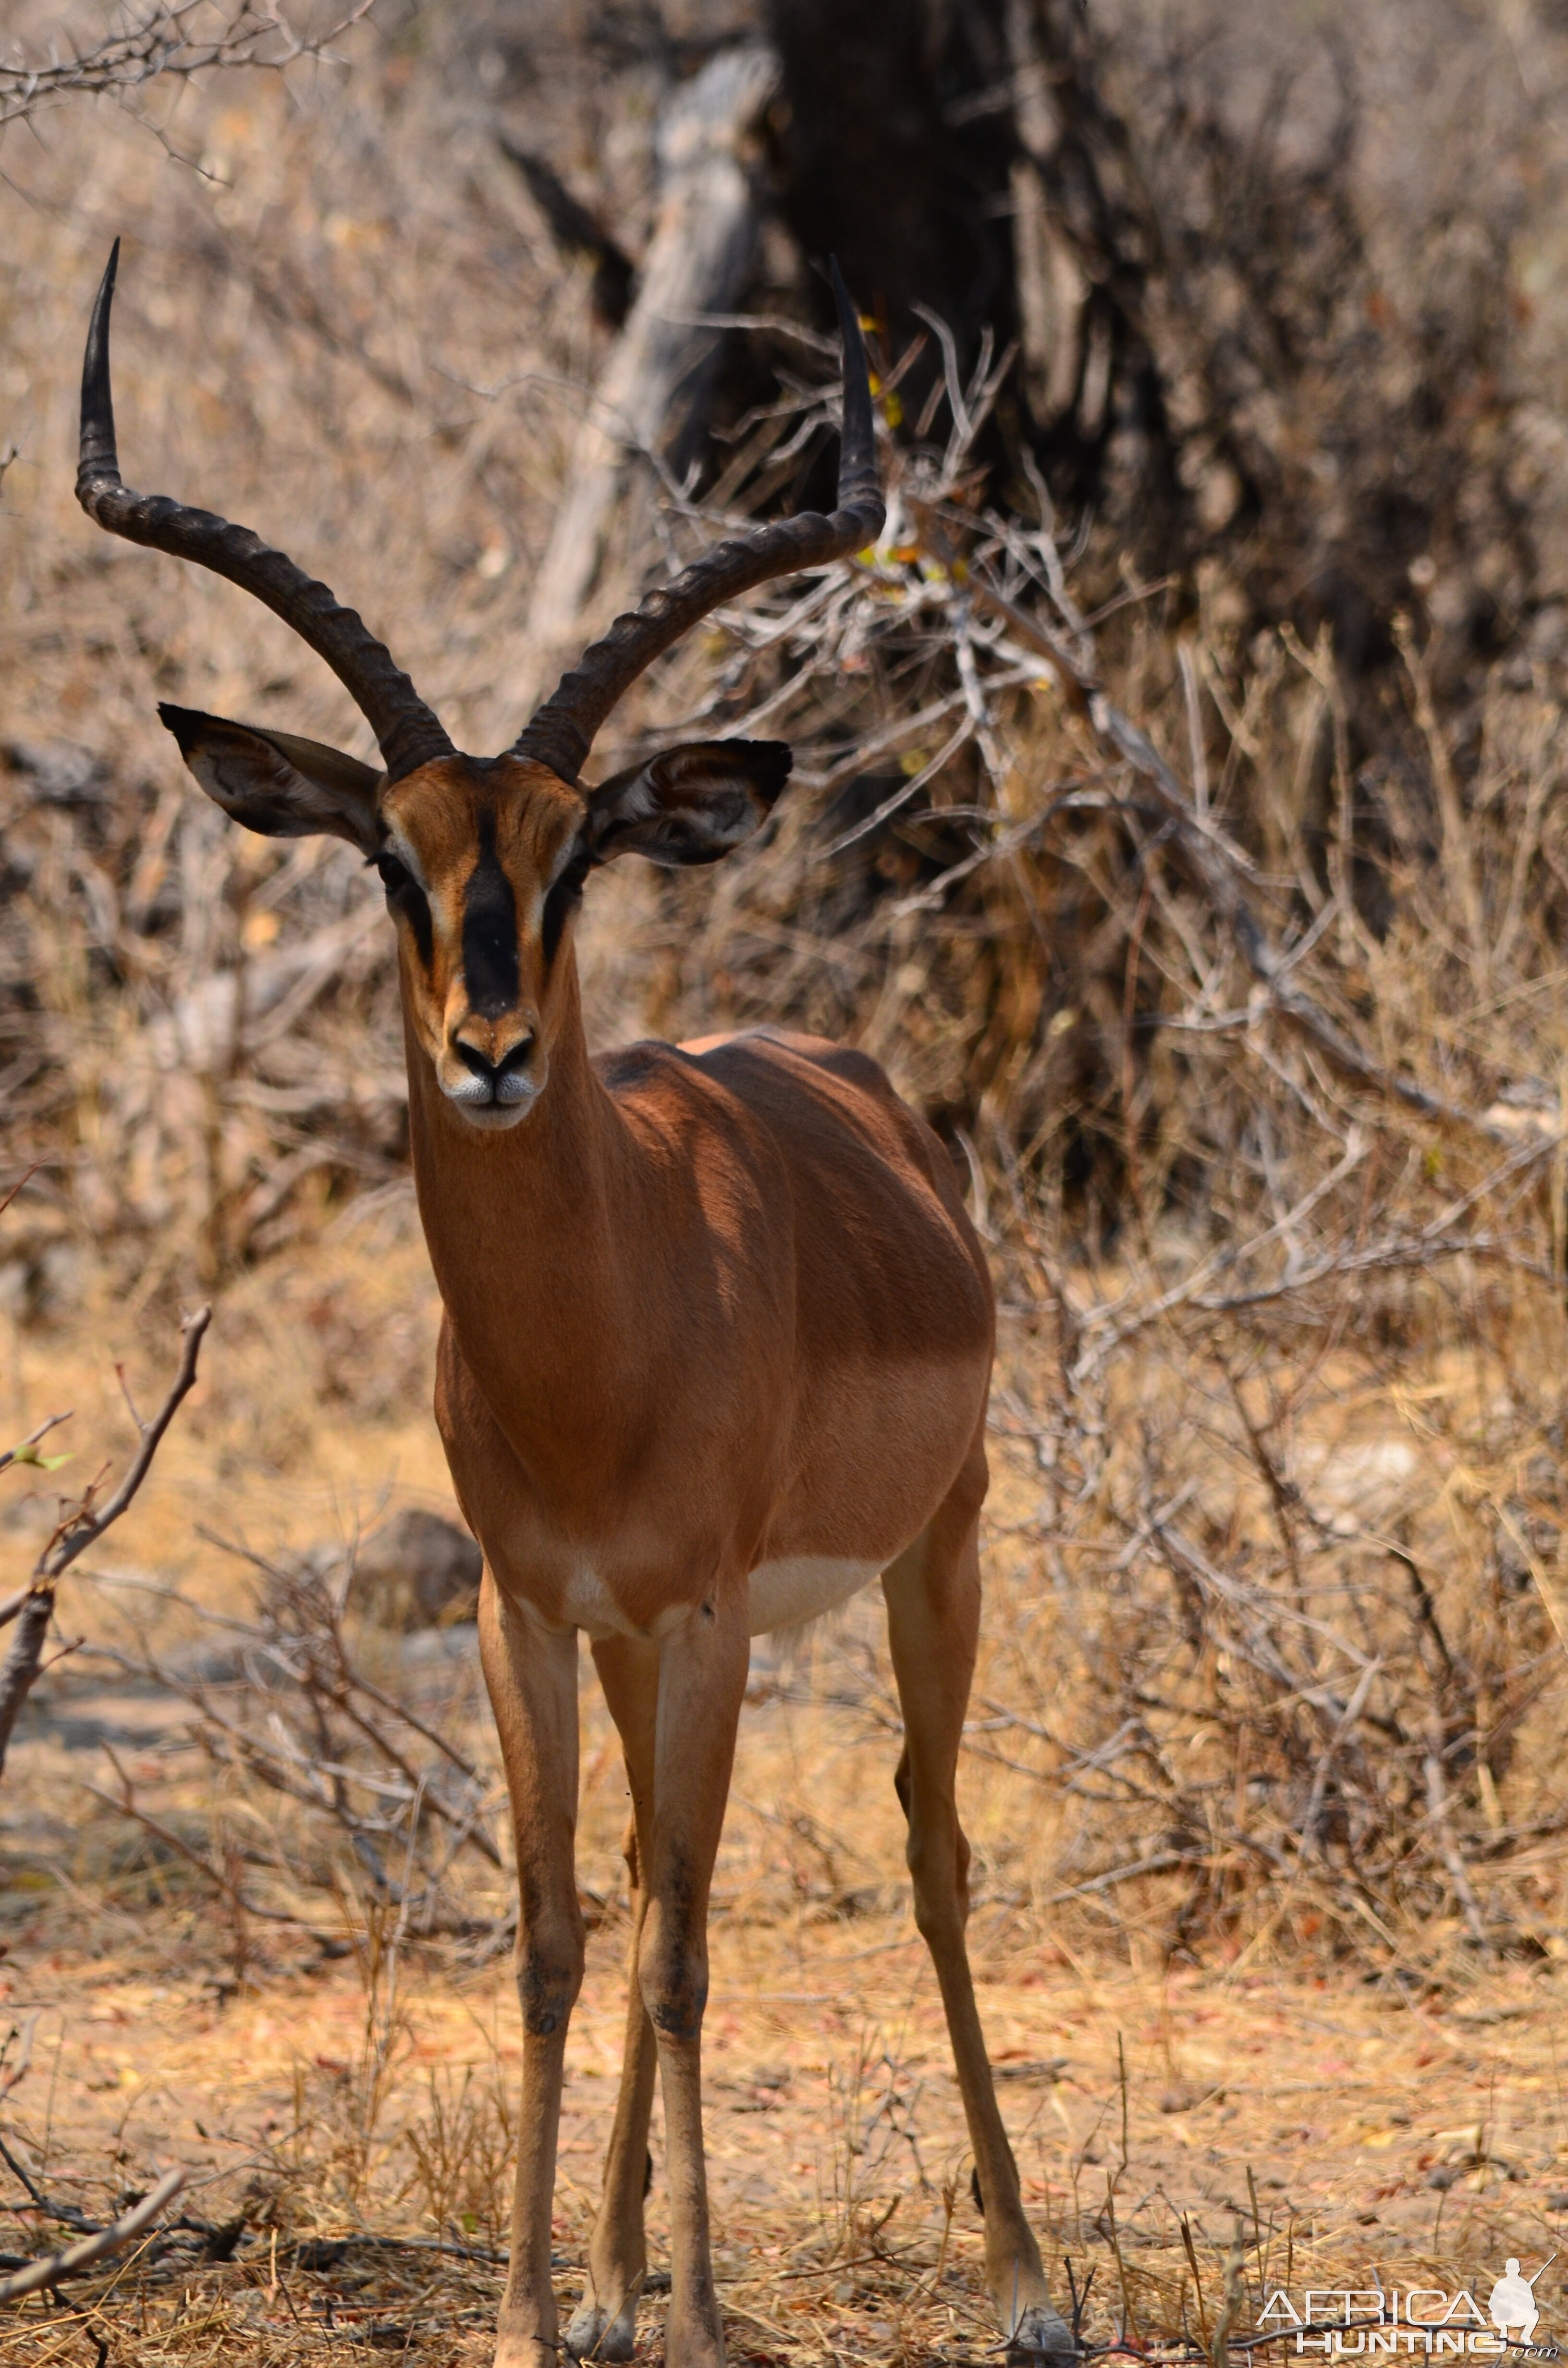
<point>1356,2135</point>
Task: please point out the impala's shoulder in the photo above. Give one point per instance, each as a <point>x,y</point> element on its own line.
<point>787,1055</point>
<point>648,1068</point>
<point>830,1106</point>
<point>776,1058</point>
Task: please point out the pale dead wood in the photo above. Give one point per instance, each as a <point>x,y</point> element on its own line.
<point>1236,2264</point>
<point>696,265</point>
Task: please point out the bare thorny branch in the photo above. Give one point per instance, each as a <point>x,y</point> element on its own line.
<point>1364,1762</point>
<point>293,1711</point>
<point>33,1610</point>
<point>169,39</point>
<point>1219,867</point>
<point>941,654</point>
<point>78,1529</point>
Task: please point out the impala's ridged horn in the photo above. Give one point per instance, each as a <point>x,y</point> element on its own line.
<point>561,734</point>
<point>406,730</point>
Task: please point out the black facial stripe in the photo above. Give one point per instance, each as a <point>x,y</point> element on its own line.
<point>412,901</point>
<point>405,895</point>
<point>490,931</point>
<point>563,895</point>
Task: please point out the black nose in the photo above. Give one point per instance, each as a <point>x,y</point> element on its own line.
<point>492,1071</point>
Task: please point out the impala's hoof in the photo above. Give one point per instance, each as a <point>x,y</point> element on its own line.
<point>1042,2334</point>
<point>514,2350</point>
<point>593,2335</point>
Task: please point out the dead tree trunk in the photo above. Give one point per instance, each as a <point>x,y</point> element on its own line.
<point>967,162</point>
<point>697,263</point>
<point>895,152</point>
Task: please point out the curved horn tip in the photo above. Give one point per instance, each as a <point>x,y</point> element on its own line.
<point>853,342</point>
<point>841,294</point>
<point>97,455</point>
<point>858,483</point>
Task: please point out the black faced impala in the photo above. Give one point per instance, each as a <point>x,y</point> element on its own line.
<point>715,1351</point>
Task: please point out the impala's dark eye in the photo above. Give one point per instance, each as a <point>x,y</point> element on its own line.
<point>405,895</point>
<point>563,900</point>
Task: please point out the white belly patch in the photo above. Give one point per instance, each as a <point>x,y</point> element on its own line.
<point>783,1595</point>
<point>788,1594</point>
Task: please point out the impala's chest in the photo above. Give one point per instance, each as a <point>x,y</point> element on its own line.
<point>743,1348</point>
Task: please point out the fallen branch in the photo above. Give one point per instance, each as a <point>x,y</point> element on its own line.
<point>72,2257</point>
<point>68,2215</point>
<point>326,2252</point>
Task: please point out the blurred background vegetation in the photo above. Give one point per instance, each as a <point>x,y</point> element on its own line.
<point>1229,357</point>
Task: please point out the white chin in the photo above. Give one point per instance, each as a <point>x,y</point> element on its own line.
<point>492,1117</point>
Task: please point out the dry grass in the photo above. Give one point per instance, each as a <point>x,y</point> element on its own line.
<point>330,2099</point>
<point>1265,1772</point>
<point>1364,2099</point>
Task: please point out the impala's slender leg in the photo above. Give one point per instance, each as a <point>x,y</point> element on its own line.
<point>702,1675</point>
<point>603,2326</point>
<point>933,1599</point>
<point>531,1674</point>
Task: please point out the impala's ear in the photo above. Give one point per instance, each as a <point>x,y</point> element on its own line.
<point>276,782</point>
<point>690,805</point>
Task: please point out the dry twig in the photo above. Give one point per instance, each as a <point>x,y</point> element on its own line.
<point>77,1530</point>
<point>165,39</point>
<point>71,2259</point>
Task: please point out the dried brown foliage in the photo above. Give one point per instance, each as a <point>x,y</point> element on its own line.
<point>1242,1017</point>
<point>1252,1058</point>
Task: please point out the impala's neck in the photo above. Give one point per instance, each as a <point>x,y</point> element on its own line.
<point>524,1230</point>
